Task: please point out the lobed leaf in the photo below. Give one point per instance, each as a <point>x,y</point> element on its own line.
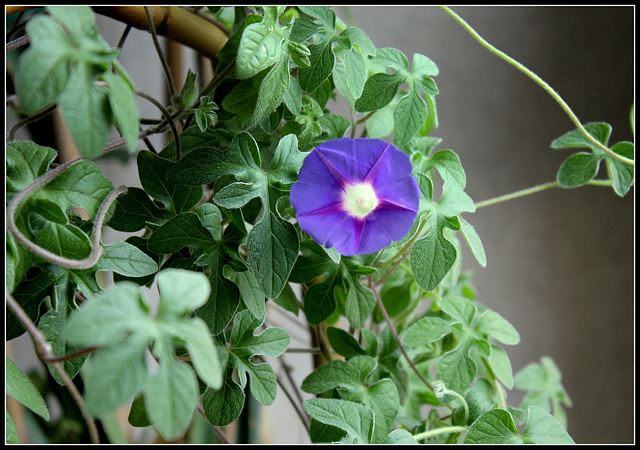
<point>20,388</point>
<point>357,420</point>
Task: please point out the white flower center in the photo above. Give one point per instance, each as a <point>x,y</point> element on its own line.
<point>359,199</point>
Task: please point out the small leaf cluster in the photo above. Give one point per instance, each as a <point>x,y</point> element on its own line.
<point>582,167</point>
<point>69,64</point>
<point>124,330</point>
<point>211,225</point>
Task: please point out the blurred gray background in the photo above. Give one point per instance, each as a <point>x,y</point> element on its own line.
<point>560,262</point>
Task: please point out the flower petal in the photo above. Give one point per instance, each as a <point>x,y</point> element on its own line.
<point>327,173</point>
<point>316,188</point>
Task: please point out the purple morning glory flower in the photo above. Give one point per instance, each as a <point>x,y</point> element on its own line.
<point>356,195</point>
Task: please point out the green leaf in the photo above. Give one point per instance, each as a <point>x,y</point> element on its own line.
<point>43,69</point>
<point>186,230</point>
<point>183,230</point>
<point>431,259</point>
<point>11,433</point>
<point>86,111</point>
<point>544,383</point>
<point>321,63</point>
<point>189,92</point>
<point>448,165</point>
<point>288,300</point>
<point>176,197</point>
<point>501,366</point>
<point>578,169</point>
<point>29,294</point>
<point>51,325</point>
<point>210,217</point>
<point>273,89</point>
<point>293,96</point>
<point>200,346</point>
<point>25,161</point>
<point>138,414</point>
<point>461,309</point>
<point>251,294</point>
<point>319,300</point>
<point>380,124</point>
<point>244,344</point>
<point>273,249</point>
<point>352,380</point>
<point>408,117</point>
<point>67,240</point>
<point>260,48</point>
<point>357,420</point>
<point>343,343</point>
<point>223,406</point>
<point>480,399</point>
<point>109,316</point>
<point>542,428</point>
<point>360,302</point>
<point>493,427</point>
<point>80,185</point>
<point>127,260</point>
<point>474,242</point>
<point>134,210</point>
<point>123,106</point>
<point>79,21</point>
<point>453,201</point>
<point>20,388</point>
<point>621,174</point>
<point>599,130</point>
<point>378,91</point>
<point>170,397</point>
<point>494,325</point>
<point>48,210</point>
<point>206,164</point>
<point>181,292</point>
<point>423,66</point>
<point>424,331</point>
<point>355,70</point>
<point>458,368</point>
<point>115,374</point>
<point>360,38</point>
<point>324,14</point>
<point>399,436</point>
<point>350,374</point>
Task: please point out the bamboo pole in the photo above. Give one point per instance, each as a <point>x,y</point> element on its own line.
<point>173,22</point>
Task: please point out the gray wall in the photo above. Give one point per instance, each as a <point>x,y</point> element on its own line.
<point>560,262</point>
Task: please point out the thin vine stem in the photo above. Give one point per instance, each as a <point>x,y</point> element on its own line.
<point>44,351</point>
<point>169,119</point>
<point>19,42</point>
<point>301,415</point>
<point>223,437</point>
<point>165,66</point>
<point>495,383</point>
<point>441,430</point>
<point>96,248</point>
<point>533,190</point>
<point>541,83</point>
<point>214,83</point>
<point>395,333</point>
<point>28,120</point>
